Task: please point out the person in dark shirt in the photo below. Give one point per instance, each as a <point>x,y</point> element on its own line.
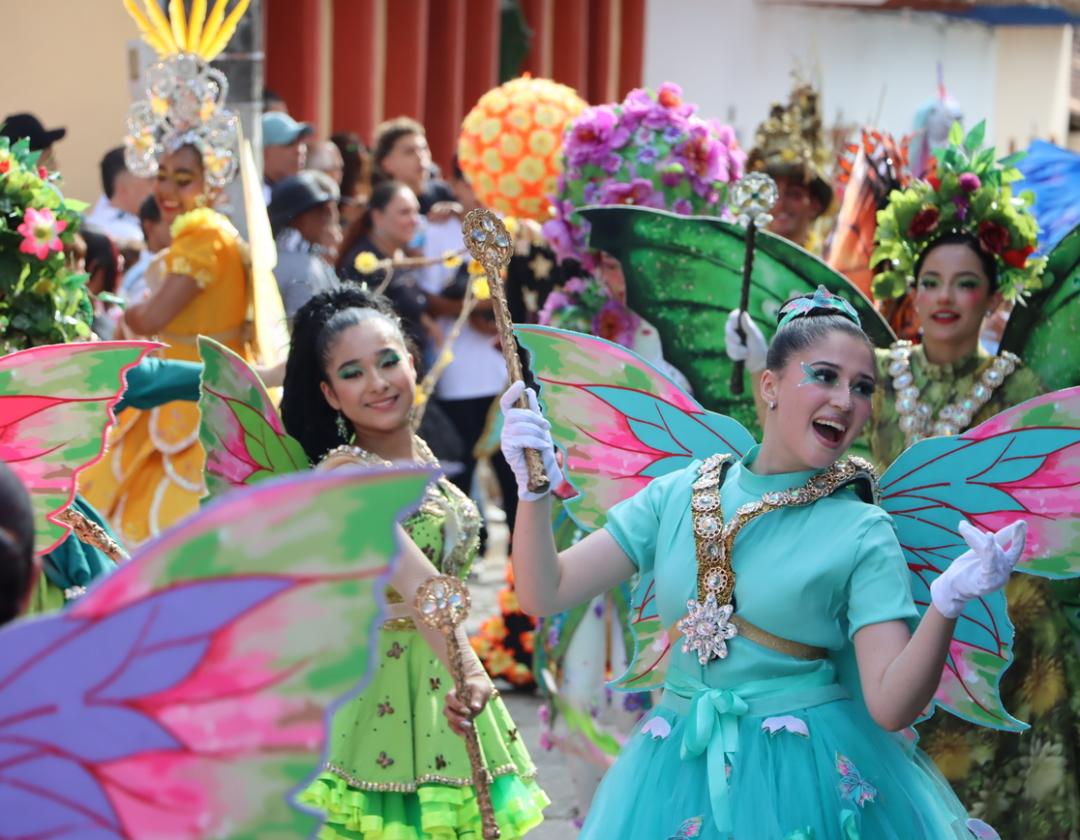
<point>401,153</point>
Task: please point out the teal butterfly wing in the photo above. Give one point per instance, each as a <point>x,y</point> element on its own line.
<point>1042,331</point>
<point>621,423</point>
<point>1022,463</point>
<point>684,275</point>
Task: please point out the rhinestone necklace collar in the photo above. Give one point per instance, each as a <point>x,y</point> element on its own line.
<point>708,626</point>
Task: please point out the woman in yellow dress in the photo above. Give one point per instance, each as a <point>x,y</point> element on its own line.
<point>182,135</point>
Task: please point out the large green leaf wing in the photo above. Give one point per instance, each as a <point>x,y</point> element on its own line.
<point>1043,330</point>
<point>684,275</point>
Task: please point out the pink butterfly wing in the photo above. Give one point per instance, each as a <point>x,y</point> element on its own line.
<point>55,408</point>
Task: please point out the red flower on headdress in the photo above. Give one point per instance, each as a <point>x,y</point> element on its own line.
<point>924,222</point>
<point>993,238</point>
<point>934,181</point>
<point>669,96</point>
<point>1017,257</point>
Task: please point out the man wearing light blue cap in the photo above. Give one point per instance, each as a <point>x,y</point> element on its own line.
<point>284,148</point>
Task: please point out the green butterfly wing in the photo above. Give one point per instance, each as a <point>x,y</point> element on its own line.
<point>684,275</point>
<point>1043,331</point>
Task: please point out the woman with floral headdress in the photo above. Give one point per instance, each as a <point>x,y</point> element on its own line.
<point>181,135</point>
<point>961,243</point>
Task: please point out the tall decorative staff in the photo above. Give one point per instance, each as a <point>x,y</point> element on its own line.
<point>752,197</point>
<point>490,245</point>
<point>443,603</point>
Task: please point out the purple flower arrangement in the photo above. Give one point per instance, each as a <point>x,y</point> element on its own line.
<point>584,305</point>
<point>650,150</point>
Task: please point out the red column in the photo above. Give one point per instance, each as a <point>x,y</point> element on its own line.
<point>482,56</point>
<point>406,58</point>
<point>293,44</point>
<point>601,45</point>
<point>354,67</point>
<point>631,47</point>
<point>539,15</point>
<point>445,93</point>
<point>570,42</point>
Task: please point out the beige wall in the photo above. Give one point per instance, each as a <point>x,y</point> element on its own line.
<point>74,75</point>
<point>1032,90</point>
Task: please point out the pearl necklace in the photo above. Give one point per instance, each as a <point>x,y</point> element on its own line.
<point>916,417</point>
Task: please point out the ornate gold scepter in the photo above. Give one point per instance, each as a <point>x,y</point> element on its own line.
<point>490,245</point>
<point>443,603</point>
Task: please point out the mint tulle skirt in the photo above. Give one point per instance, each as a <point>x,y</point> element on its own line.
<point>816,773</point>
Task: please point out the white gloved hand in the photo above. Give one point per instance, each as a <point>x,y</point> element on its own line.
<point>526,428</point>
<point>753,351</point>
<point>983,569</point>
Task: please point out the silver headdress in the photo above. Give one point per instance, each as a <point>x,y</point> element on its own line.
<point>185,96</point>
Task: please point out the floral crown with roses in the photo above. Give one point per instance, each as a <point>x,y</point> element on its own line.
<point>966,192</point>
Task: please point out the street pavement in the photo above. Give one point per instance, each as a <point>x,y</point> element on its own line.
<point>488,578</point>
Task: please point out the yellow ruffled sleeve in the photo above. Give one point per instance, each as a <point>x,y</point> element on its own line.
<point>199,243</point>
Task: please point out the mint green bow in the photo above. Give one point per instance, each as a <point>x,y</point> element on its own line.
<point>712,728</point>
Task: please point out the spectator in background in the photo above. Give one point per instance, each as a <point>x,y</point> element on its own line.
<point>402,154</point>
<point>325,157</point>
<point>155,230</point>
<point>273,102</point>
<point>304,217</point>
<point>17,126</point>
<point>385,230</point>
<point>102,261</point>
<point>284,148</point>
<point>117,210</point>
<point>355,184</point>
<point>476,375</point>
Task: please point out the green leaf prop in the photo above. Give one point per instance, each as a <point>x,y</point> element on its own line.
<point>1043,330</point>
<point>684,275</point>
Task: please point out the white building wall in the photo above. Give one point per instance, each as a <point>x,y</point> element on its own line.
<point>734,57</point>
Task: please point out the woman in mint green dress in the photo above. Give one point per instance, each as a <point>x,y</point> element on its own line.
<point>801,656</point>
<point>395,770</point>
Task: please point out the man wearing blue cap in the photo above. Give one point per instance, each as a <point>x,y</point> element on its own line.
<point>284,148</point>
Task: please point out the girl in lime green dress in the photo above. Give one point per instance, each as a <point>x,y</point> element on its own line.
<point>395,770</point>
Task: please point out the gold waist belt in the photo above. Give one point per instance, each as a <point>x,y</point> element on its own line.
<point>766,639</point>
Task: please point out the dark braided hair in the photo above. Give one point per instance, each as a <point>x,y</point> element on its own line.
<point>304,410</point>
<point>16,544</point>
<point>807,330</point>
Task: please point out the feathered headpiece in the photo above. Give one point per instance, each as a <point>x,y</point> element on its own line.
<point>185,96</point>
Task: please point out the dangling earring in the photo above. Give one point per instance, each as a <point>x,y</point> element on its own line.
<point>200,200</point>
<point>772,405</point>
<point>342,427</point>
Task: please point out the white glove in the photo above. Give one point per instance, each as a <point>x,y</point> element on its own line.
<point>526,428</point>
<point>753,351</point>
<point>983,569</point>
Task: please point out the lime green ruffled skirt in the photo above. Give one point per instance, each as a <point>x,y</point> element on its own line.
<point>433,812</point>
<point>395,770</point>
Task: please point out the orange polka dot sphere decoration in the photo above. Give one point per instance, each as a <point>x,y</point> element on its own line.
<point>511,143</point>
